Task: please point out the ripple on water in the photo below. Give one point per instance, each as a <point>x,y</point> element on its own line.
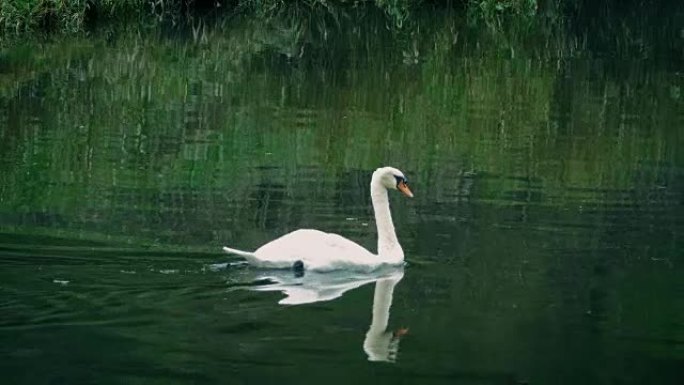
<point>75,285</point>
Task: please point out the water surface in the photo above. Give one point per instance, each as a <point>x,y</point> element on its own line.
<point>543,245</point>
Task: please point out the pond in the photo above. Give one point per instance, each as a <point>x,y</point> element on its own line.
<point>543,244</point>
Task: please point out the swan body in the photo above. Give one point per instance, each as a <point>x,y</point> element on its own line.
<point>316,249</point>
<point>321,251</point>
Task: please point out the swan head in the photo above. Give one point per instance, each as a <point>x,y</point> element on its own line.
<point>392,179</point>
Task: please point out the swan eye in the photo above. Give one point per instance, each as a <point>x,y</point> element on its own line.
<point>400,179</point>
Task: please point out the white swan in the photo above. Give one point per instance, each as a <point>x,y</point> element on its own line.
<point>317,250</point>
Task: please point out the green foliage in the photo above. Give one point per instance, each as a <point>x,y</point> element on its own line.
<point>398,11</point>
<point>496,14</point>
<point>18,16</point>
<point>26,15</point>
<point>69,16</point>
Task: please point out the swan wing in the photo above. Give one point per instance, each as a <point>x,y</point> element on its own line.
<point>316,249</point>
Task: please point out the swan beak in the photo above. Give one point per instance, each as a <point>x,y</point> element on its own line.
<point>403,187</point>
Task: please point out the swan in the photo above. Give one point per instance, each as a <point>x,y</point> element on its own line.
<point>308,249</point>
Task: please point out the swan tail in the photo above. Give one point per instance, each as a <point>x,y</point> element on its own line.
<point>246,254</point>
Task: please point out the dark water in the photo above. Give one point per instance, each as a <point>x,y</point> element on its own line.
<point>544,243</point>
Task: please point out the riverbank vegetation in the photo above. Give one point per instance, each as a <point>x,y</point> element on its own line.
<point>18,16</point>
<point>301,28</point>
<point>21,16</point>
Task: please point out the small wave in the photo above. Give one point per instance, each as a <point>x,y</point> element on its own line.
<point>224,265</point>
<point>168,271</point>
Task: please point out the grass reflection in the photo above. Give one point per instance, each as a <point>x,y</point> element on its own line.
<point>168,128</point>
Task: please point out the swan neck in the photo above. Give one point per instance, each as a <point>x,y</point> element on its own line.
<point>388,244</point>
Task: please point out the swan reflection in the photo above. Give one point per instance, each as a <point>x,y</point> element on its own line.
<point>380,344</point>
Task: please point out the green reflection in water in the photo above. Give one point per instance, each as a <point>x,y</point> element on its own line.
<point>544,240</point>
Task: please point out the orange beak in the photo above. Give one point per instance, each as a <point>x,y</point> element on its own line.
<point>403,187</point>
